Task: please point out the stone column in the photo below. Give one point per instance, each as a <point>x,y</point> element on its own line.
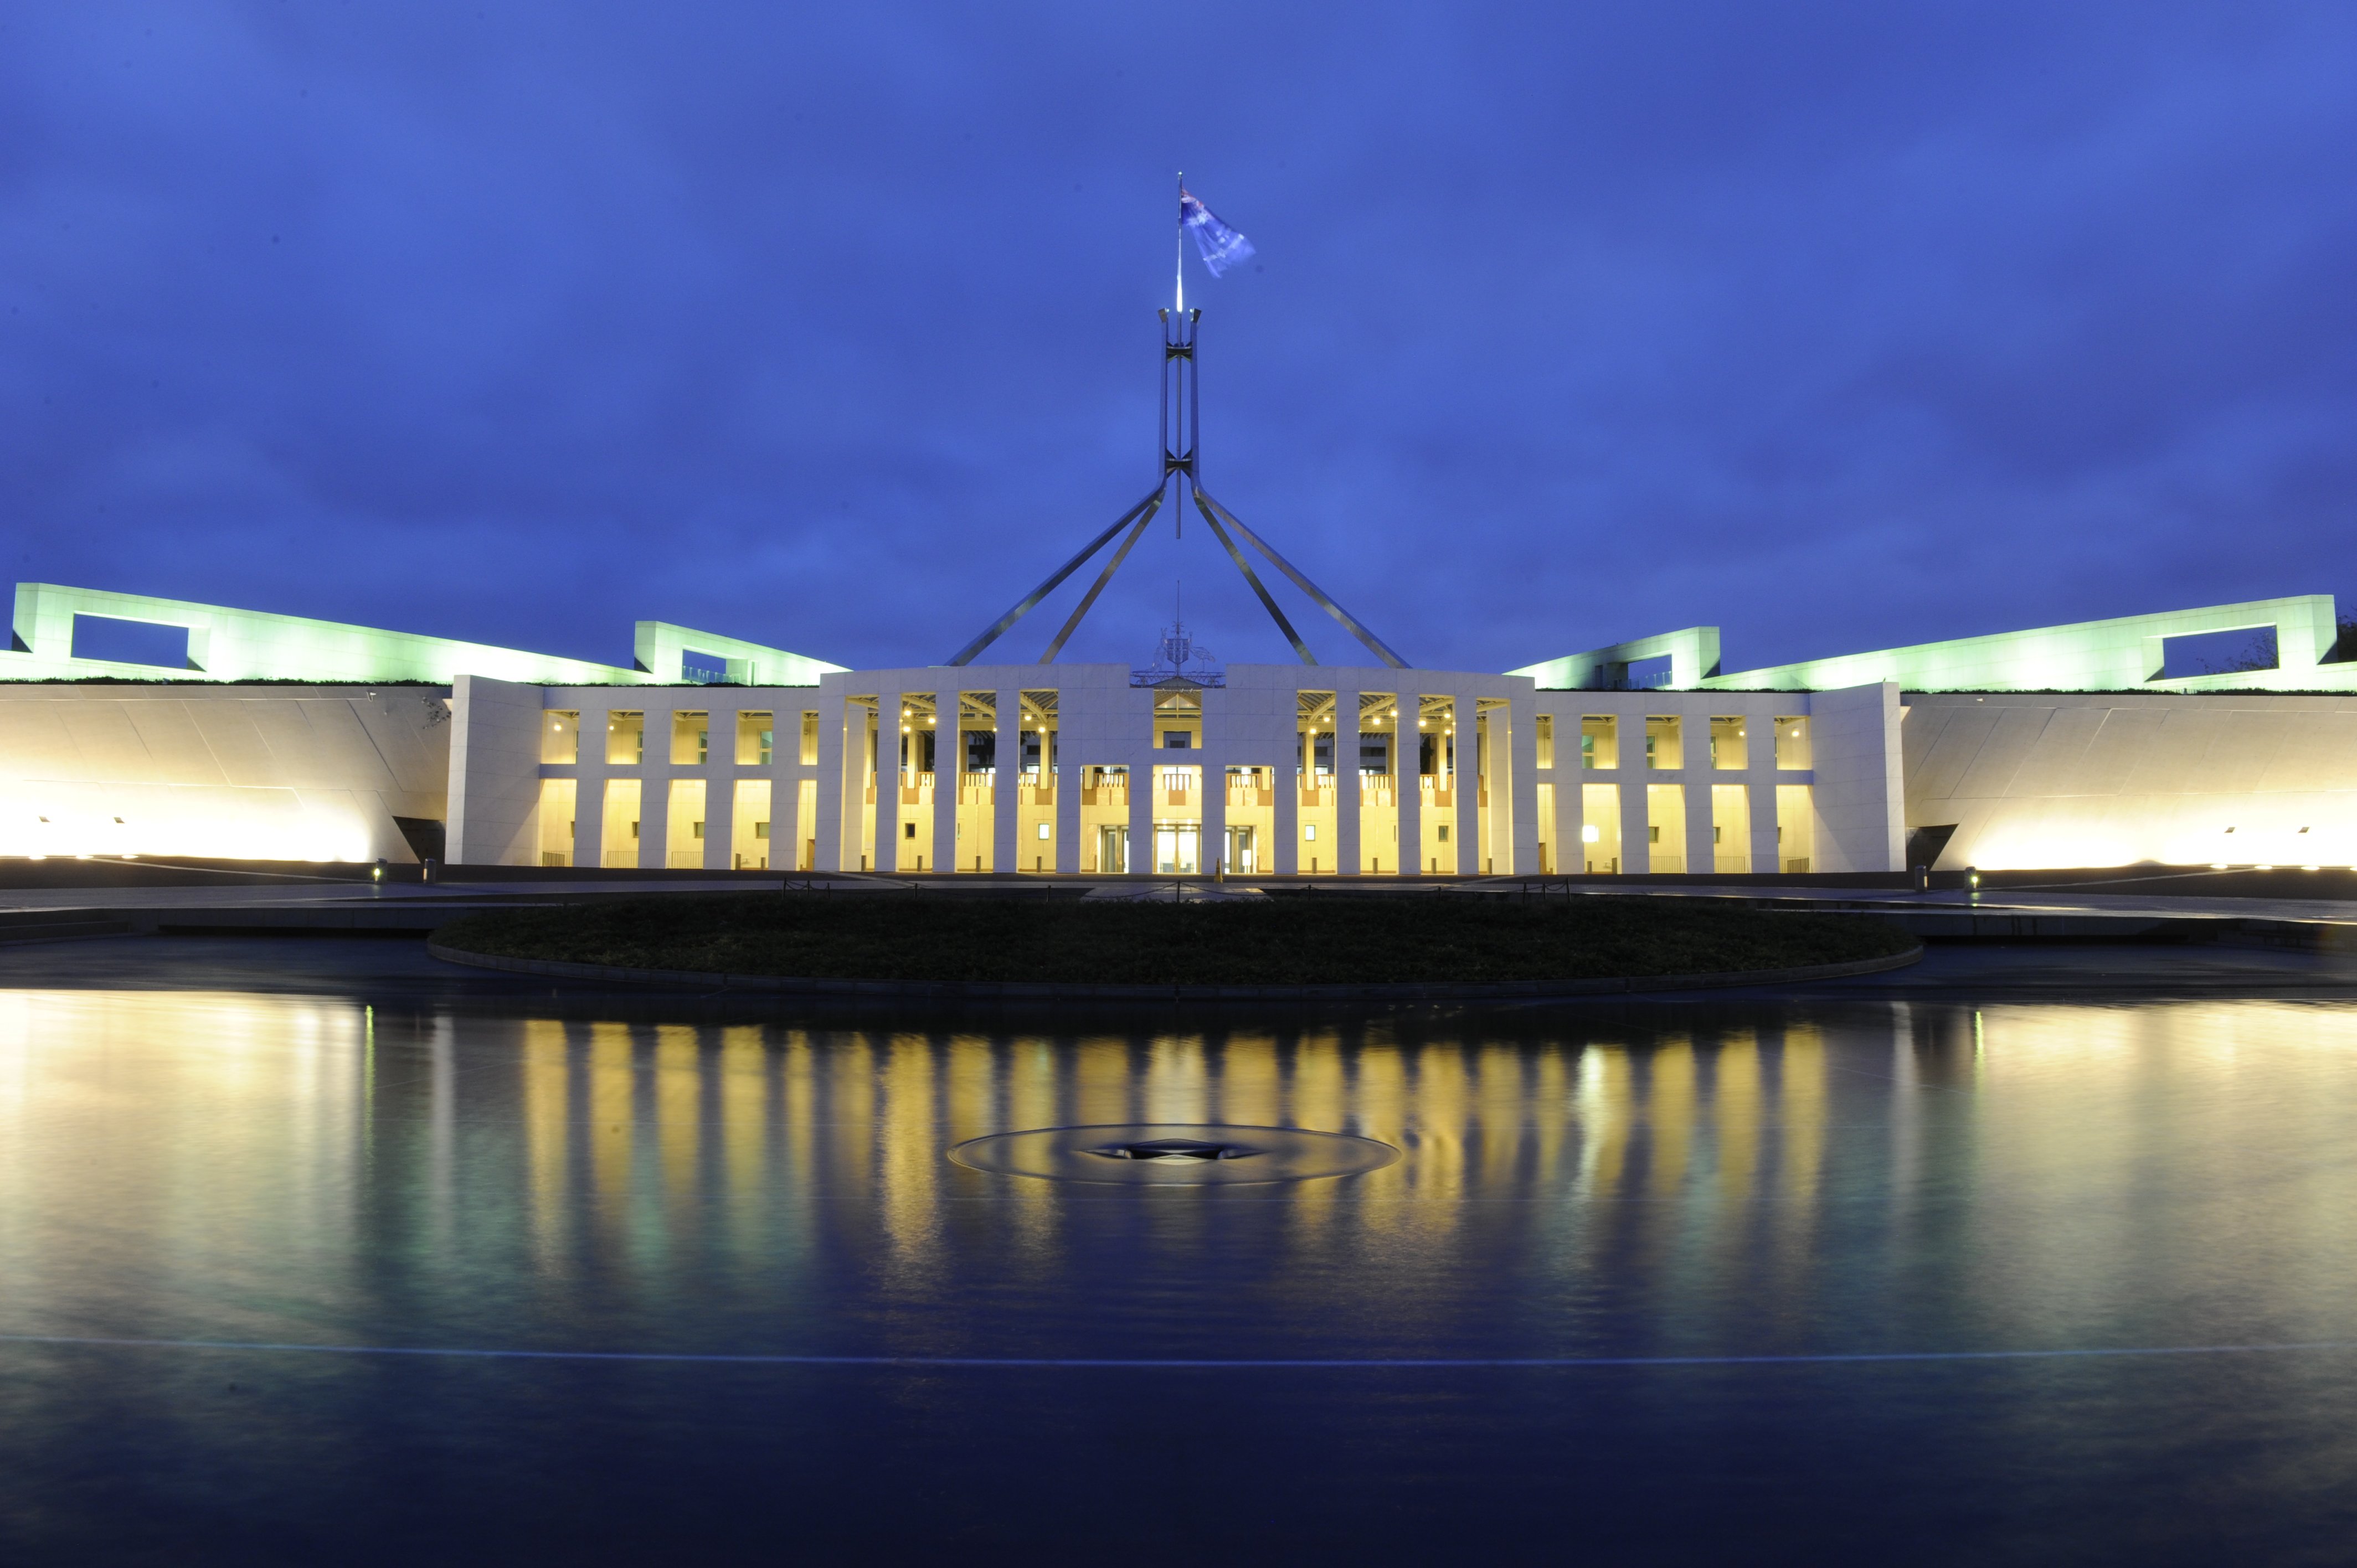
<point>590,790</point>
<point>1761,797</point>
<point>1407,783</point>
<point>1468,783</point>
<point>888,720</point>
<point>949,777</point>
<point>1143,799</point>
<point>1347,854</point>
<point>1636,813</point>
<point>1067,777</point>
<point>1570,842</point>
<point>1283,858</point>
<point>655,786</point>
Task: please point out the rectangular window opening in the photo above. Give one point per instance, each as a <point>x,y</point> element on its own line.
<point>2202,653</point>
<point>131,642</point>
<point>1644,674</point>
<point>702,669</point>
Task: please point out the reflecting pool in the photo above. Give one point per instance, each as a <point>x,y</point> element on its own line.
<point>1622,1293</point>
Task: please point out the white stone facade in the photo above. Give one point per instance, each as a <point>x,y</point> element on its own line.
<point>1483,774</point>
<point>276,772</point>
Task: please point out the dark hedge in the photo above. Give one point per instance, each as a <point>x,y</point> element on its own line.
<point>1282,940</point>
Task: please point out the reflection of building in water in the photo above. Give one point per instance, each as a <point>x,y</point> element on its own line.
<point>639,1132</point>
<point>354,1148</point>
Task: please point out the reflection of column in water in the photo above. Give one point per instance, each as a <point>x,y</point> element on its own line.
<point>970,1091</point>
<point>1669,1115</point>
<point>1178,1081</point>
<point>744,1104</point>
<point>1305,1089</point>
<point>547,1116</point>
<point>1031,1085</point>
<point>1249,1092</point>
<point>1501,1104</point>
<point>1551,1115</point>
<point>335,1038</point>
<point>679,1110</point>
<point>1607,1107</point>
<point>1801,1088</point>
<point>844,1117</point>
<point>1027,1073</point>
<point>1735,1096</point>
<point>1906,1101</point>
<point>1380,1109</point>
<point>1439,1119</point>
<point>798,1068</point>
<point>612,1079</point>
<point>442,1050</point>
<point>912,1135</point>
<point>1320,1097</point>
<point>1101,1084</point>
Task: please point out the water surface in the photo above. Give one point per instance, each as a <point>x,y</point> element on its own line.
<point>1608,1301</point>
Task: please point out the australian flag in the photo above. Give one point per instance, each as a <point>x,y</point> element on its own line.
<point>1221,246</point>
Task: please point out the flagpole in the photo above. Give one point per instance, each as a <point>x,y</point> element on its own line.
<point>1178,298</point>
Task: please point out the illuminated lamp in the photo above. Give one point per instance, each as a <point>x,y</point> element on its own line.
<point>1590,833</point>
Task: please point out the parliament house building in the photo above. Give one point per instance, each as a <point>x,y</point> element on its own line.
<point>163,729</point>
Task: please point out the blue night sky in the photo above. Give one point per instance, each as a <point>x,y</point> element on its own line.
<point>833,327</point>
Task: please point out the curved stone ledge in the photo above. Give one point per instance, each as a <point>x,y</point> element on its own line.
<point>1008,991</point>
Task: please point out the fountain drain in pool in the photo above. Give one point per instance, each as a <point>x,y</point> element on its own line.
<point>1174,1154</point>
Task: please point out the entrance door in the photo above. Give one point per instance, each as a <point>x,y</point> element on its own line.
<point>1112,851</point>
<point>1242,853</point>
<point>1177,848</point>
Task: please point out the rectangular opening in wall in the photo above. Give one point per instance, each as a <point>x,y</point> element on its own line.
<point>748,837</point>
<point>1436,745</point>
<point>702,669</point>
<point>1664,742</point>
<point>1792,744</point>
<point>1645,674</point>
<point>131,642</point>
<point>560,736</point>
<point>617,842</point>
<point>1665,816</point>
<point>683,824</point>
<point>1599,830</point>
<point>1542,730</point>
<point>626,738</point>
<point>2205,653</point>
<point>691,739</point>
<point>1731,829</point>
<point>1796,827</point>
<point>1038,739</point>
<point>809,755</point>
<point>1599,741</point>
<point>558,807</point>
<point>1730,744</point>
<point>1315,727</point>
<point>756,739</point>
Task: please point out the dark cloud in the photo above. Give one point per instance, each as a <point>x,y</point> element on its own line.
<point>1835,325</point>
